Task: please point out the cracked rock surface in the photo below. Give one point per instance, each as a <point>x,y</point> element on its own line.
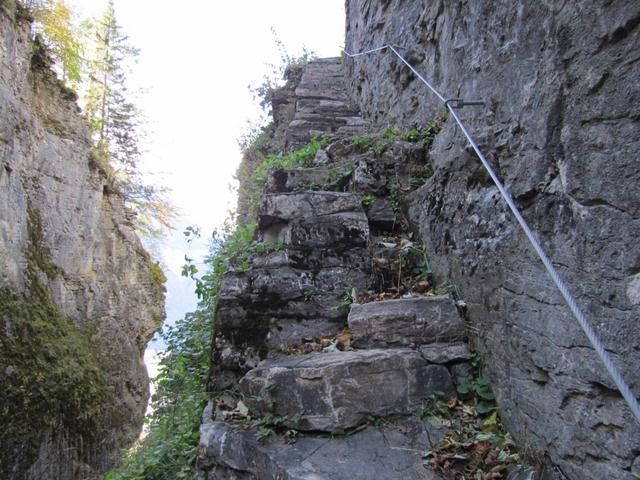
<point>561,126</point>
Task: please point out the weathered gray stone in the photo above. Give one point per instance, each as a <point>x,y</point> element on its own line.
<point>563,131</point>
<point>90,268</point>
<point>322,106</point>
<point>404,322</point>
<point>382,215</point>
<point>282,207</point>
<point>443,353</point>
<point>389,453</point>
<point>334,391</point>
<point>330,178</point>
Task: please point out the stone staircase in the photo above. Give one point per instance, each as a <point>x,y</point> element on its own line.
<point>333,246</point>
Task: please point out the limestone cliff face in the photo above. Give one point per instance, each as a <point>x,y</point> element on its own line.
<point>79,296</point>
<point>562,128</point>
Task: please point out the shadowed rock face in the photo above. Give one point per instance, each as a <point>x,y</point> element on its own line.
<point>78,299</point>
<point>561,126</point>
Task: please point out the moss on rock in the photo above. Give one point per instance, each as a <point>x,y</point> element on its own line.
<point>51,380</point>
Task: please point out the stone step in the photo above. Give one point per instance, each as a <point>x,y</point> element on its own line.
<point>322,105</point>
<point>319,106</point>
<point>314,219</point>
<point>392,453</point>
<point>405,322</point>
<point>274,306</point>
<point>337,391</point>
<point>328,178</point>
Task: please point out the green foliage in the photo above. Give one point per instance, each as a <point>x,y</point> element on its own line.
<point>421,267</point>
<point>156,274</point>
<point>378,145</point>
<point>390,134</point>
<point>298,158</point>
<point>348,297</point>
<point>449,288</point>
<point>425,134</point>
<point>361,143</point>
<point>367,199</point>
<point>478,389</point>
<point>254,181</point>
<point>288,70</point>
<point>56,25</point>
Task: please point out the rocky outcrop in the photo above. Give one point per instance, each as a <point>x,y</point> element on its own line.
<point>561,126</point>
<point>79,296</point>
<point>286,323</point>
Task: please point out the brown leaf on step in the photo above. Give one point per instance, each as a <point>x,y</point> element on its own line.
<point>421,286</point>
<point>380,262</point>
<point>344,341</point>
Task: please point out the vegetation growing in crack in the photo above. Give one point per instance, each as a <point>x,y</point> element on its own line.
<point>476,445</point>
<point>170,447</point>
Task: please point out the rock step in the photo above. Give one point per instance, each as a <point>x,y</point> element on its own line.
<point>314,219</point>
<point>227,453</point>
<point>337,391</point>
<point>405,322</point>
<point>327,178</point>
<point>322,105</point>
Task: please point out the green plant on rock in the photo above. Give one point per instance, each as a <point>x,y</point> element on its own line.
<point>421,266</point>
<point>425,134</point>
<point>347,298</point>
<point>449,288</point>
<point>298,158</point>
<point>367,199</point>
<point>381,146</point>
<point>361,143</point>
<point>480,390</point>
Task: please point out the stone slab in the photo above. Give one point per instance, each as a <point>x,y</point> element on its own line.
<point>389,453</point>
<point>405,322</point>
<point>337,391</point>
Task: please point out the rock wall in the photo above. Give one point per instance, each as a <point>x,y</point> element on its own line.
<point>79,296</point>
<point>561,126</point>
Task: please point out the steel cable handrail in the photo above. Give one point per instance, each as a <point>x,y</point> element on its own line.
<point>555,276</point>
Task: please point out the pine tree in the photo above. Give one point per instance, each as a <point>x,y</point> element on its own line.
<point>116,125</point>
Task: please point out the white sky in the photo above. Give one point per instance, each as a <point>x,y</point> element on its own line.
<point>196,62</point>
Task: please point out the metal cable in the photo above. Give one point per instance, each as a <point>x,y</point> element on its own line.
<point>555,276</point>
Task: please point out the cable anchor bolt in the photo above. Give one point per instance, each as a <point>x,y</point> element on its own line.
<point>461,102</point>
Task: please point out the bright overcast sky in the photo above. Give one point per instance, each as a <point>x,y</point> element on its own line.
<point>196,61</point>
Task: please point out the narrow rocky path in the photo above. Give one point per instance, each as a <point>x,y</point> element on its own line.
<point>295,344</point>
